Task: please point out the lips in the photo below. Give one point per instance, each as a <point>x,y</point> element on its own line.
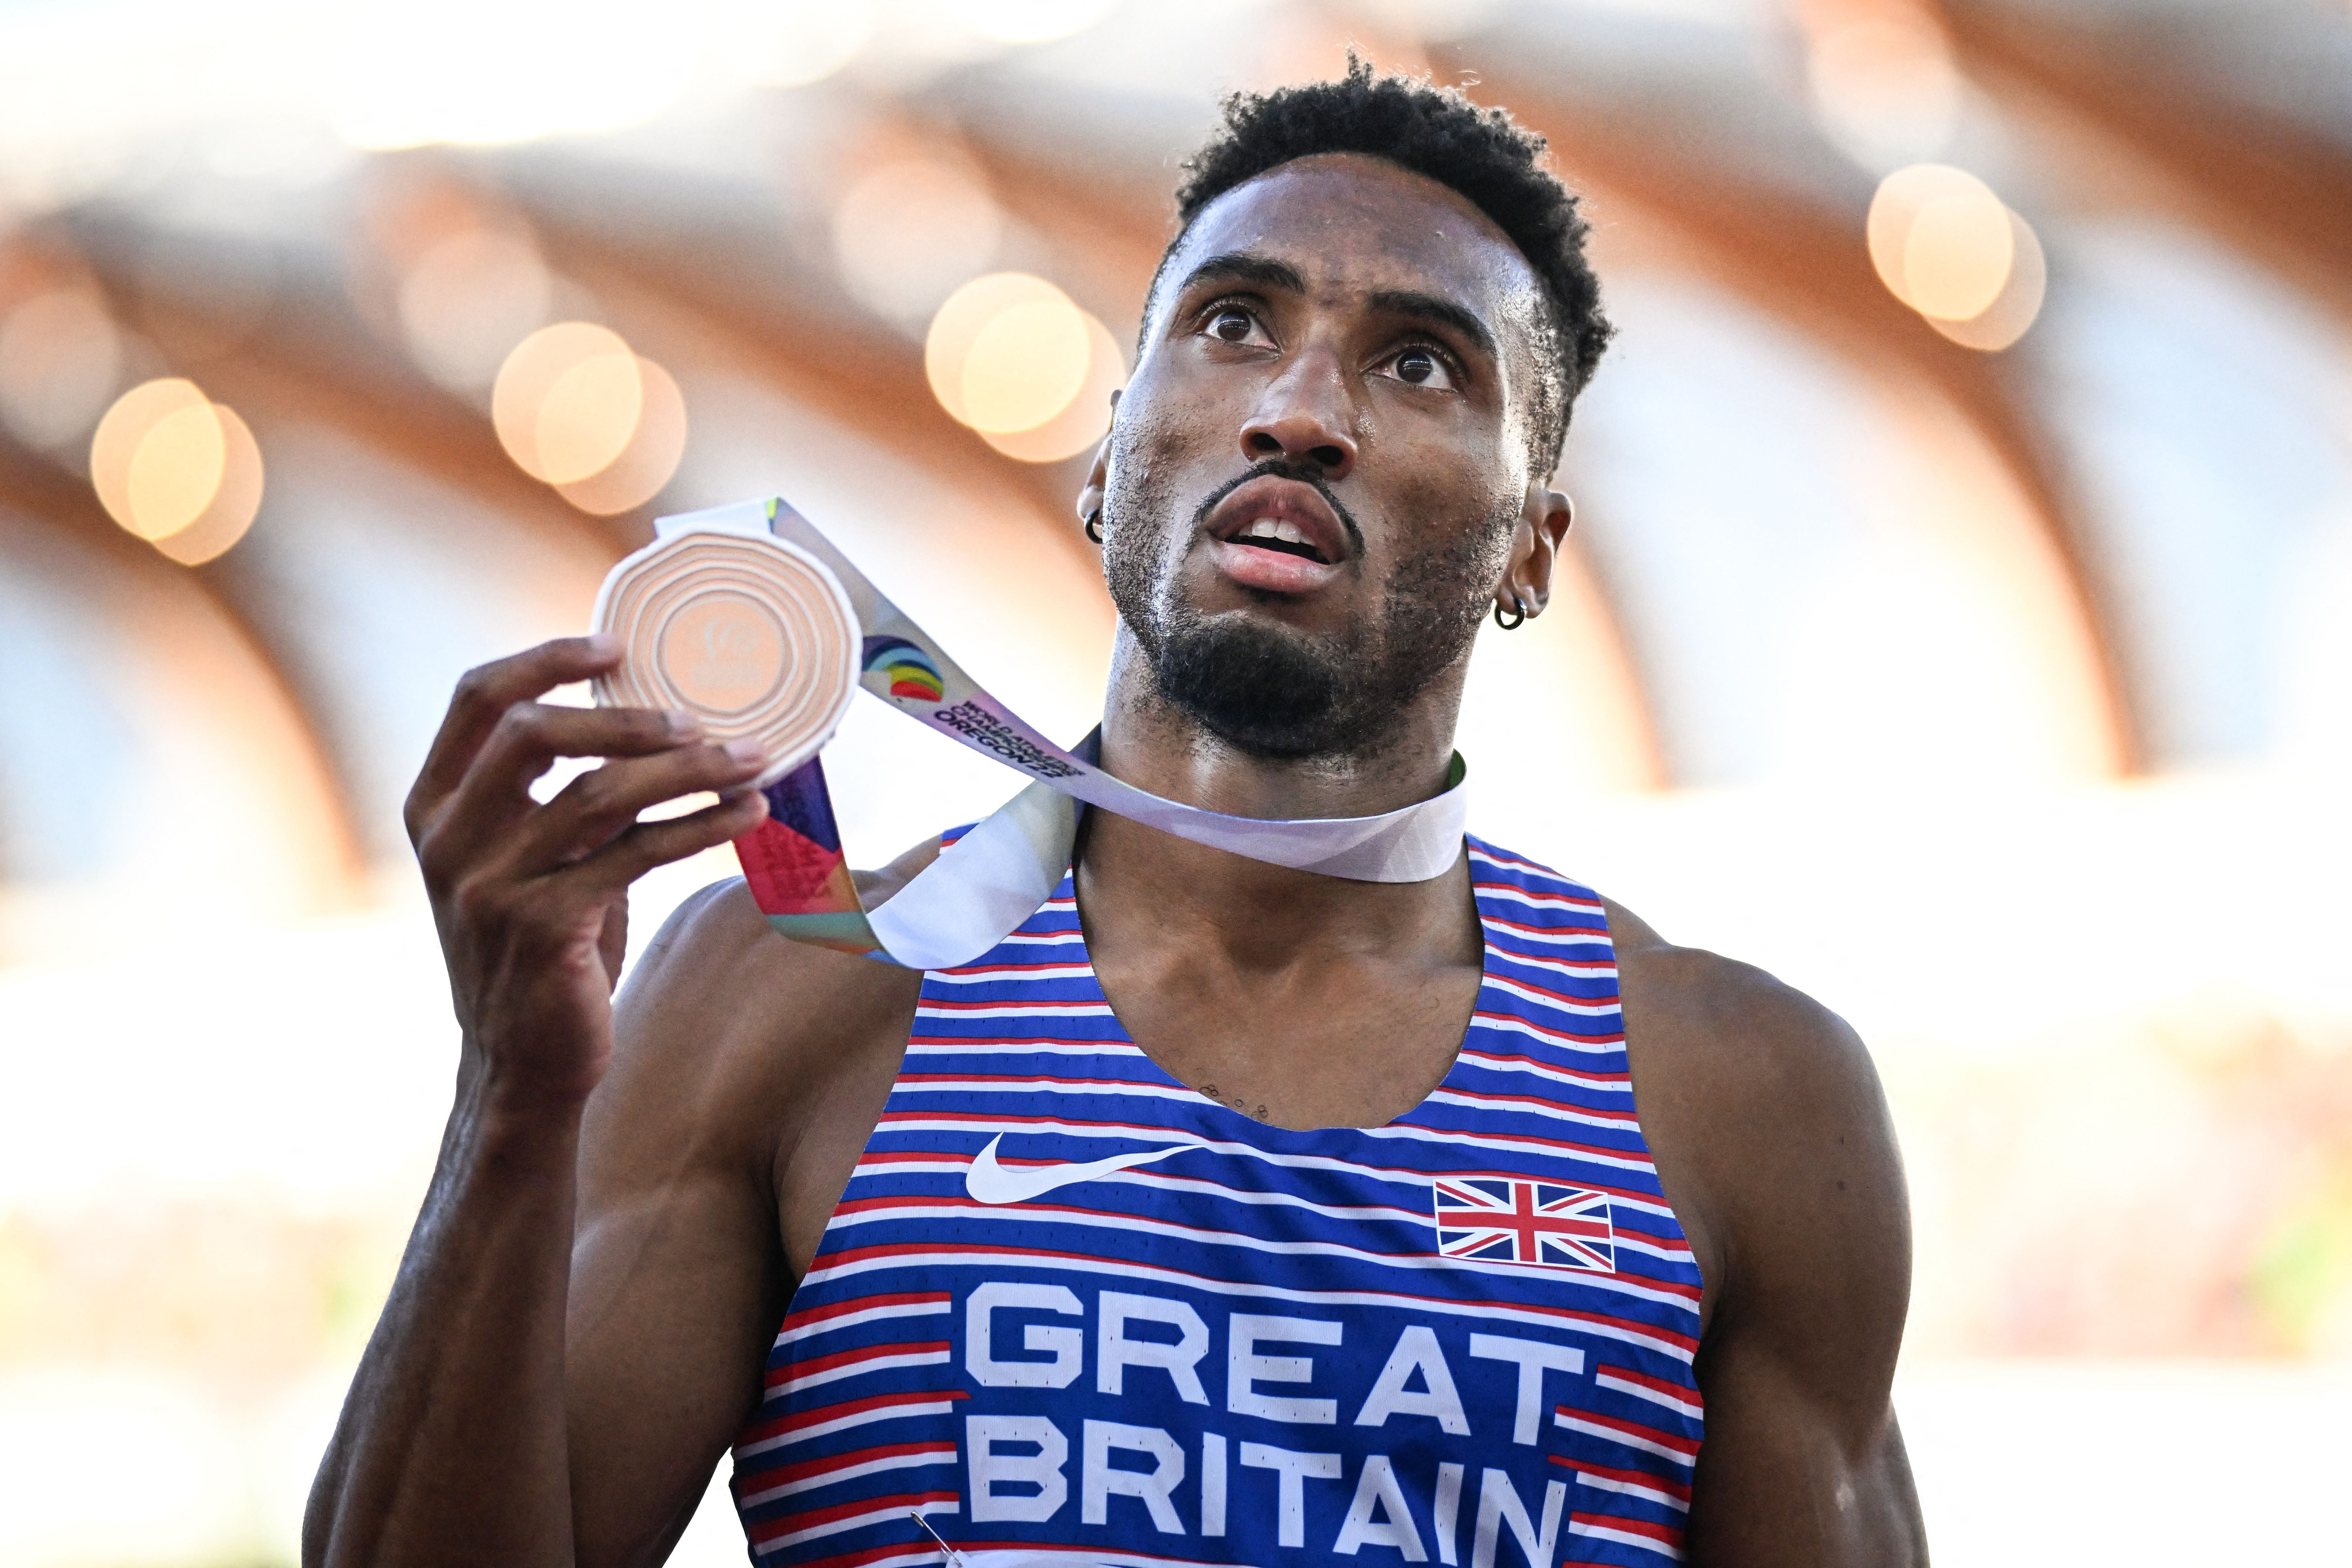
<point>1278,536</point>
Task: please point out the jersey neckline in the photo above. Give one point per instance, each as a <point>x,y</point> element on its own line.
<point>1068,888</point>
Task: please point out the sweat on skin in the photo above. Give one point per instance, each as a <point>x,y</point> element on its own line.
<point>628,1196</point>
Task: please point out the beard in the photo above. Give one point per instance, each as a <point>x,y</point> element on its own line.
<point>1272,691</point>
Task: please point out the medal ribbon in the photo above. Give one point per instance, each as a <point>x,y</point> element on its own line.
<point>995,877</point>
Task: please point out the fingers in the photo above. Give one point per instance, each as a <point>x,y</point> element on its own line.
<point>640,848</point>
<point>544,903</point>
<point>600,806</point>
<point>481,700</point>
<point>496,792</point>
<point>530,735</point>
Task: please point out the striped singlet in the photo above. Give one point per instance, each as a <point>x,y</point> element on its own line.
<point>1070,1309</point>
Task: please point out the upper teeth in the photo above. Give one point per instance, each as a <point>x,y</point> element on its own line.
<point>1275,529</point>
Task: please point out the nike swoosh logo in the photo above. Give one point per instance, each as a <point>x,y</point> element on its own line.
<point>988,1182</point>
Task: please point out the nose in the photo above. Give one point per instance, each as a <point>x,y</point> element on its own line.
<point>1304,417</point>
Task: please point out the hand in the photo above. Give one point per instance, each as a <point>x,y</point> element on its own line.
<point>533,900</point>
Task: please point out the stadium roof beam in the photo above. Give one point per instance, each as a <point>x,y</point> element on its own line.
<point>1810,266</point>
<point>868,378</point>
<point>36,493</point>
<point>2254,177</point>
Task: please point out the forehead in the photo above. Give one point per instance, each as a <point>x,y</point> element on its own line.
<point>1351,224</point>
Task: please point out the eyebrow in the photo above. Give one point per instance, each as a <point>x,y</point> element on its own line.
<point>1430,308</point>
<point>1240,266</point>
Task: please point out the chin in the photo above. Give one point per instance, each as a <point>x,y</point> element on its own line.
<point>1264,688</point>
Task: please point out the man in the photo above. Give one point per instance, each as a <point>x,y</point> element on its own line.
<point>1225,1213</point>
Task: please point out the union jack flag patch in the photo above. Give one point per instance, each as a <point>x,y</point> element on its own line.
<point>1506,1219</point>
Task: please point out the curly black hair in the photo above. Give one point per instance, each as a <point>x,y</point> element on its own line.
<point>1481,153</point>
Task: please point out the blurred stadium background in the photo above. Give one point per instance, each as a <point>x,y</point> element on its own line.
<point>1961,622</point>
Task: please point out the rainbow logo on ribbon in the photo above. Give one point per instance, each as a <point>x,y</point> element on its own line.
<point>909,669</point>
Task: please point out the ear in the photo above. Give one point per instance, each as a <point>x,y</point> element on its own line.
<point>1090,495</point>
<point>1535,549</point>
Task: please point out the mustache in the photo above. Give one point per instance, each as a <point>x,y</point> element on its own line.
<point>1306,473</point>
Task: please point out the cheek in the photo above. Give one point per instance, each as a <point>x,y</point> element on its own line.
<point>1142,501</point>
<point>1163,423</point>
<point>1457,535</point>
<point>1191,411</point>
<point>1155,474</point>
<point>1442,496</point>
<point>1135,489</point>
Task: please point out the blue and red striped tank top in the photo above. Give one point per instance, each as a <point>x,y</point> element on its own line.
<point>1070,1309</point>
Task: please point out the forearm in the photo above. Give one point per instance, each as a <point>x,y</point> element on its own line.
<point>451,1446</point>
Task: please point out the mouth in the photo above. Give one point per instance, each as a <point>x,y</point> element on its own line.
<point>1277,535</point>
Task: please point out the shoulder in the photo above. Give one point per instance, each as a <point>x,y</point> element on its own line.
<point>1732,1035</point>
<point>1764,1114</point>
<point>718,970</point>
<point>731,1041</point>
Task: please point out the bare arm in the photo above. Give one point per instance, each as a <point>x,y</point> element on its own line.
<point>747,1073</point>
<point>452,1444</point>
<point>1774,1141</point>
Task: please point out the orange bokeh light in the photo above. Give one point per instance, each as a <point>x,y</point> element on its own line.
<point>1087,415</point>
<point>1947,247</point>
<point>577,409</point>
<point>1012,357</point>
<point>234,505</point>
<point>651,456</point>
<point>2004,321</point>
<point>176,469</point>
<point>527,387</point>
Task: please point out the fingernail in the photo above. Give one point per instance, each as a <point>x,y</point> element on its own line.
<point>681,724</point>
<point>604,644</point>
<point>746,751</point>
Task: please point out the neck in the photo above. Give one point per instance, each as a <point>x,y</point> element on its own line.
<point>1265,915</point>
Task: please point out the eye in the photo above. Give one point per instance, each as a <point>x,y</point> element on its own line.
<point>1422,368</point>
<point>1235,324</point>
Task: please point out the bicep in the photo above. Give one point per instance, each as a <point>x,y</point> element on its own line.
<point>677,1292</point>
<point>678,1280</point>
<point>1796,1470</point>
<point>1803,1463</point>
<point>740,1062</point>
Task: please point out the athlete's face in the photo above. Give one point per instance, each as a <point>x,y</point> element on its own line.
<point>1320,470</point>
